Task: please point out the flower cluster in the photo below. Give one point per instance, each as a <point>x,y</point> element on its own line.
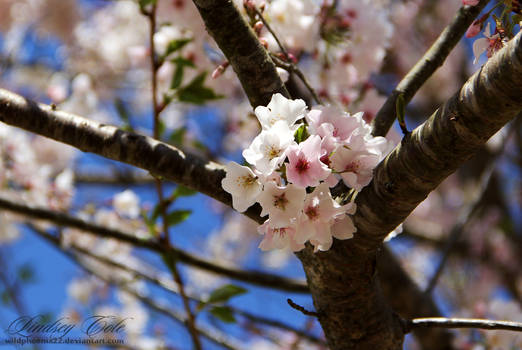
<point>296,158</point>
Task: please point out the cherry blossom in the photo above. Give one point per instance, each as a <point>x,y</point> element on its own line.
<point>242,184</point>
<point>490,44</point>
<point>355,163</point>
<point>330,120</point>
<point>280,108</point>
<point>319,213</point>
<point>282,203</point>
<point>279,238</point>
<point>268,150</point>
<point>127,203</point>
<point>305,167</point>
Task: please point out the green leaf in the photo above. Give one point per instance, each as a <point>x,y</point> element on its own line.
<point>149,222</point>
<point>223,294</point>
<point>177,136</point>
<point>155,213</point>
<point>175,45</point>
<point>182,191</point>
<point>144,3</point>
<point>26,273</point>
<point>224,313</point>
<point>301,134</point>
<point>180,63</point>
<point>123,113</point>
<point>6,298</point>
<point>195,92</point>
<point>178,216</point>
<point>161,127</point>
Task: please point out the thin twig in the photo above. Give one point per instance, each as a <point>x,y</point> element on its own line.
<point>286,65</point>
<point>301,309</point>
<point>442,322</point>
<point>165,238</point>
<point>293,68</point>
<point>170,312</point>
<point>11,288</point>
<point>167,285</point>
<point>281,46</point>
<point>262,279</point>
<point>426,66</point>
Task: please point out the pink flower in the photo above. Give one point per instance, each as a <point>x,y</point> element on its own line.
<point>474,28</point>
<point>342,123</point>
<point>282,204</point>
<point>279,238</point>
<point>470,2</point>
<point>319,213</point>
<point>305,167</point>
<point>490,44</point>
<point>355,163</point>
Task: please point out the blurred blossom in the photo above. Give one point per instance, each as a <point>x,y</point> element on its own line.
<point>126,203</point>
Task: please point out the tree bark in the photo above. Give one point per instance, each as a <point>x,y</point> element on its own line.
<point>342,280</point>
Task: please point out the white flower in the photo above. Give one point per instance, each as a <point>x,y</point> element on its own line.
<point>267,151</point>
<point>164,36</point>
<point>490,44</point>
<point>280,108</point>
<point>279,238</point>
<point>282,204</point>
<point>319,213</point>
<point>242,184</point>
<point>127,203</point>
<point>354,162</point>
<point>64,181</point>
<point>297,20</point>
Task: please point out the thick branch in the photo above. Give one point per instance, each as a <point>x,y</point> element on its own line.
<point>426,66</point>
<point>451,136</point>
<point>159,158</point>
<point>406,298</point>
<point>342,280</point>
<point>254,68</point>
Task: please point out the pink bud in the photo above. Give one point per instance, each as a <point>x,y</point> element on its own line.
<point>219,70</point>
<point>292,58</point>
<point>258,27</point>
<point>470,2</point>
<point>249,5</point>
<point>264,42</point>
<point>474,29</point>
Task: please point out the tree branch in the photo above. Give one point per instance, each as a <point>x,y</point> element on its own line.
<point>249,59</point>
<point>406,298</point>
<point>167,284</point>
<point>426,66</point>
<point>254,277</point>
<point>342,280</point>
<point>442,322</point>
<point>401,182</point>
<point>160,159</point>
<point>212,335</point>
